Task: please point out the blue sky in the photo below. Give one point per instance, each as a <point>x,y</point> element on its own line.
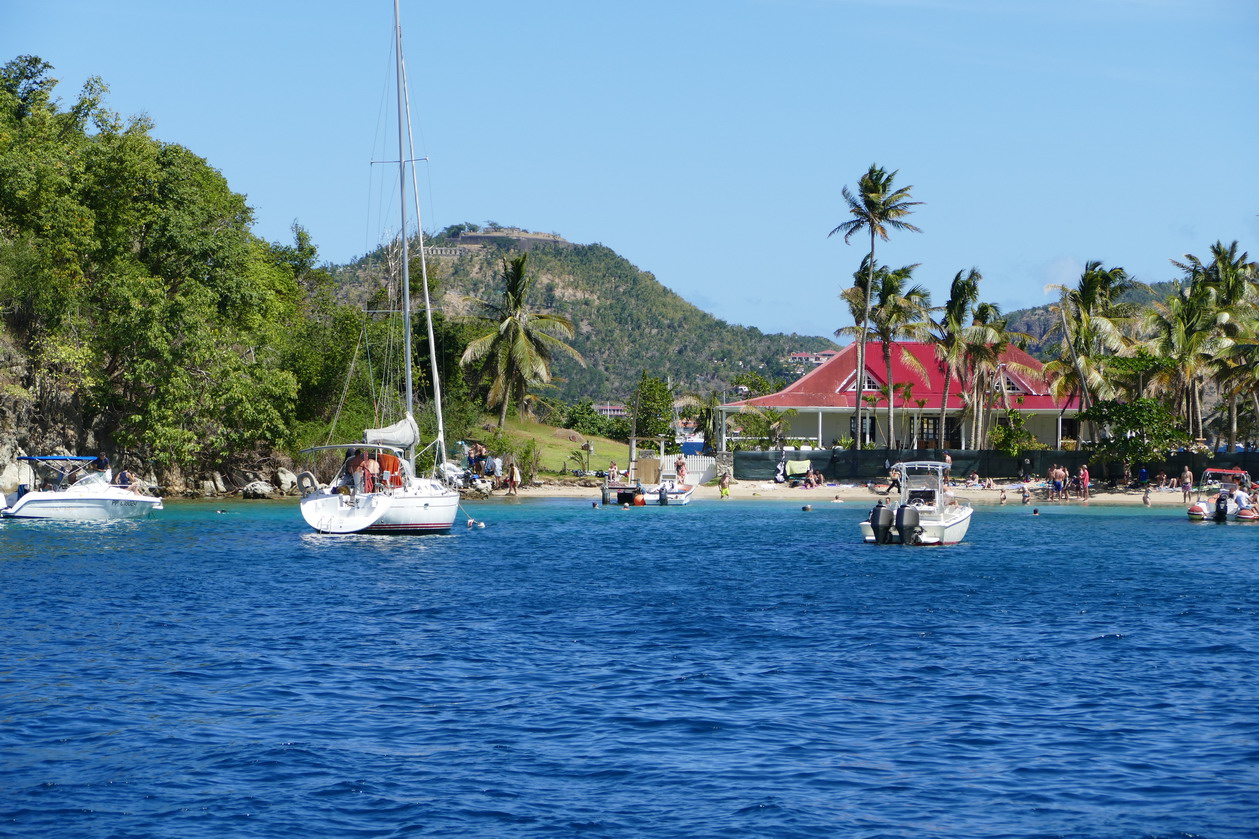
<point>707,142</point>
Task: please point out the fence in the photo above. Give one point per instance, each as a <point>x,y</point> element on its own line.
<point>849,464</point>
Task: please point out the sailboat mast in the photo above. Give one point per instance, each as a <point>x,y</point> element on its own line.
<point>402,205</point>
<point>428,304</point>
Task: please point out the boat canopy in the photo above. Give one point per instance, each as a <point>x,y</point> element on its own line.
<point>77,458</point>
<point>403,434</point>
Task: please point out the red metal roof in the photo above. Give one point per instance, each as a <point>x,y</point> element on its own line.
<point>832,384</point>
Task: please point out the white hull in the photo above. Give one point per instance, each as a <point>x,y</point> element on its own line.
<point>673,496</point>
<point>424,507</point>
<point>948,531</point>
<point>99,504</point>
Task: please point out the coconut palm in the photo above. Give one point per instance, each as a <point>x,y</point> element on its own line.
<point>898,311</point>
<point>516,349</point>
<point>984,345</point>
<point>1182,330</point>
<point>1232,278</point>
<point>947,334</point>
<point>1091,322</point>
<point>876,208</point>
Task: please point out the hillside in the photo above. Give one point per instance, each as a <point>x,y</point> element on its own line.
<point>626,321</point>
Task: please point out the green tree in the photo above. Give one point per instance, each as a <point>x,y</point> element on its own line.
<point>876,208</point>
<point>652,409</point>
<point>1140,430</point>
<point>517,344</point>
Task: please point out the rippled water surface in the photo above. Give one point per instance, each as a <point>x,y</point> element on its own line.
<point>723,669</point>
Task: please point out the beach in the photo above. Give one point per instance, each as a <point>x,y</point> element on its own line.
<point>854,493</point>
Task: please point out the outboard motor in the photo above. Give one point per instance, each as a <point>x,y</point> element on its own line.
<point>907,524</point>
<point>881,524</point>
<point>607,495</point>
<point>1221,508</point>
<point>664,495</point>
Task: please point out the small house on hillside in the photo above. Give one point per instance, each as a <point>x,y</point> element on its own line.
<point>825,400</point>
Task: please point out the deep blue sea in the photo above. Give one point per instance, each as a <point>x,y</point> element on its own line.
<point>723,669</point>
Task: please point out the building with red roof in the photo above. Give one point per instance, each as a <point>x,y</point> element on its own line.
<point>825,400</point>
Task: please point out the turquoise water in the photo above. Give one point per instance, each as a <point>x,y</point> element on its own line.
<point>741,668</point>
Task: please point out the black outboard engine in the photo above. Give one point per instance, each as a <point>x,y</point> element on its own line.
<point>881,524</point>
<point>907,524</point>
<point>1221,508</point>
<point>664,496</point>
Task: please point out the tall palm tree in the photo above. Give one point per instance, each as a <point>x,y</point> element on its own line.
<point>518,346</point>
<point>947,334</point>
<point>1232,277</point>
<point>898,311</point>
<point>1182,329</point>
<point>876,208</point>
<point>1092,319</point>
<point>985,343</point>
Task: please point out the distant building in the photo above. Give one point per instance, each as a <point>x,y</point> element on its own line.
<point>804,359</point>
<point>521,239</point>
<point>609,410</point>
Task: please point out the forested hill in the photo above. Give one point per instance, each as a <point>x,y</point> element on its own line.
<point>625,320</point>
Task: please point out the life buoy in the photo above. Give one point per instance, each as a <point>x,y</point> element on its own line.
<point>306,483</point>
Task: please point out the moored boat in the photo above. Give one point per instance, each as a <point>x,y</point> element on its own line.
<point>389,497</point>
<point>1218,495</point>
<point>926,513</point>
<point>76,488</point>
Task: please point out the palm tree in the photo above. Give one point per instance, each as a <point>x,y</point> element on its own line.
<point>985,343</point>
<point>897,312</point>
<point>876,208</point>
<point>1232,278</point>
<point>517,348</point>
<point>1091,321</point>
<point>947,334</point>
<point>1182,329</point>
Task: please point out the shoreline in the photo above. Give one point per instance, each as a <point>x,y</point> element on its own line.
<point>859,494</point>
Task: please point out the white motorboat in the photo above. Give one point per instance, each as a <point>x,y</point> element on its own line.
<point>72,488</point>
<point>396,500</point>
<point>927,512</point>
<point>669,493</point>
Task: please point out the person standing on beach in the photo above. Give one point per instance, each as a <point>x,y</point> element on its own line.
<point>724,484</point>
<point>1084,482</point>
<point>1186,484</point>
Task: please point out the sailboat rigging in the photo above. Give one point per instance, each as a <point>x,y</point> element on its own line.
<point>377,489</point>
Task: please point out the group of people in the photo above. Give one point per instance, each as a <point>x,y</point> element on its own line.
<point>363,470</point>
<point>492,468</point>
<point>1062,483</point>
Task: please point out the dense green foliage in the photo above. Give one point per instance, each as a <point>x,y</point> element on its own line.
<point>133,283</point>
<point>148,318</point>
<point>651,412</point>
<point>1140,430</point>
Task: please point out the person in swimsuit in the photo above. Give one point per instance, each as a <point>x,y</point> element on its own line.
<point>1186,484</point>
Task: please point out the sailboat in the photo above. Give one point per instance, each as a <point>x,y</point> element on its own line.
<point>394,499</point>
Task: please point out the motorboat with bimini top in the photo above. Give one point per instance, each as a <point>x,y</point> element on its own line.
<point>926,513</point>
<point>76,488</point>
<point>1222,496</point>
<point>376,489</point>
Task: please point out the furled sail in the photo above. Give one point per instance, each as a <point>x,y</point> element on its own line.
<point>404,433</point>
